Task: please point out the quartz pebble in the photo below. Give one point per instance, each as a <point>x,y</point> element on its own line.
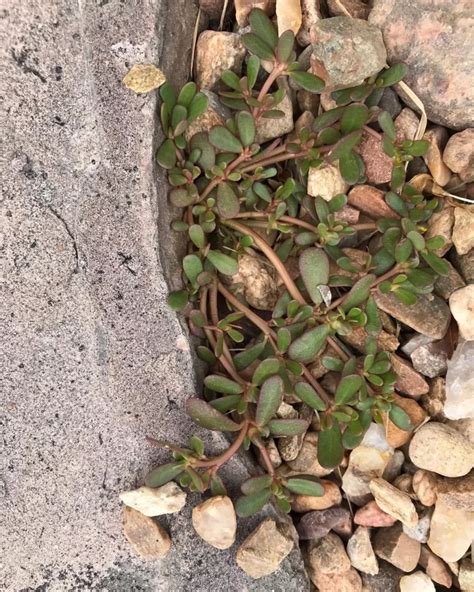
<point>152,501</point>
<point>454,453</point>
<point>361,553</point>
<point>461,304</point>
<point>265,548</point>
<point>416,582</point>
<point>393,545</point>
<point>451,532</point>
<point>256,281</point>
<point>147,537</point>
<point>215,521</point>
<point>394,502</point>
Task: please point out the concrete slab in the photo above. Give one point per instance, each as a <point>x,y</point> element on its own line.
<point>91,358</point>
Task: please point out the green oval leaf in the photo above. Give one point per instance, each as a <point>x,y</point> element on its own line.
<point>251,504</point>
<point>228,203</point>
<point>244,358</point>
<point>223,139</point>
<point>265,369</point>
<point>246,127</point>
<point>197,107</point>
<point>178,300</point>
<point>308,81</point>
<point>186,94</point>
<point>436,263</point>
<point>269,399</point>
<point>166,155</point>
<point>223,263</point>
<point>386,123</point>
<point>400,418</point>
<point>330,449</point>
<point>222,384</point>
<point>308,395</point>
<point>226,404</point>
<point>256,484</point>
<point>263,27</point>
<point>287,427</point>
<point>305,485</point>
<point>257,46</point>
<point>351,167</point>
<point>347,388</point>
<point>163,474</point>
<point>192,267</point>
<point>417,239</point>
<point>285,46</point>
<point>359,292</point>
<point>305,348</point>
<point>354,118</point>
<point>314,269</point>
<point>392,75</point>
<point>208,417</point>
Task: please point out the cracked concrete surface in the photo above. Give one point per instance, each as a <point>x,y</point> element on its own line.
<point>91,358</point>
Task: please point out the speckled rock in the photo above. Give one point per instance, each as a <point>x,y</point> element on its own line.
<point>268,129</point>
<point>217,51</point>
<point>361,554</point>
<point>457,493</point>
<point>346,51</point>
<point>459,154</point>
<point>372,515</point>
<point>356,8</point>
<point>256,281</point>
<point>326,181</point>
<point>147,537</point>
<point>436,46</point>
<point>378,166</point>
<point>348,581</point>
<point>311,14</point>
<point>454,453</point>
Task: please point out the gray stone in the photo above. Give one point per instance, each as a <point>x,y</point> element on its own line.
<point>436,45</point>
<point>95,359</point>
<point>390,102</point>
<point>385,581</point>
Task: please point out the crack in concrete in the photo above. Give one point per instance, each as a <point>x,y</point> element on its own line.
<point>71,236</point>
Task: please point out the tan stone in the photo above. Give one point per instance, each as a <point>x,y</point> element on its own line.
<point>289,15</point>
<point>327,555</point>
<point>215,521</point>
<point>331,497</point>
<point>307,459</point>
<point>357,337</point>
<point>256,281</point>
<point>457,493</point>
<point>433,402</point>
<point>454,454</point>
<point>372,515</point>
<point>461,304</point>
<point>425,486</point>
<point>409,381</point>
<point>445,285</point>
<point>395,502</point>
<point>326,181</point>
<point>217,51</point>
<point>394,546</point>
<point>143,78</point>
<point>265,548</point>
<point>147,537</point>
<point>416,582</point>
<point>406,124</point>
<point>348,581</point>
<point>463,231</point>
<point>361,553</point>
<point>243,8</point>
<point>268,129</point>
<point>435,567</point>
<point>378,166</point>
<point>451,532</point>
<point>459,154</point>
<point>356,8</point>
<point>466,575</point>
<point>441,224</point>
<point>311,14</point>
<point>437,137</point>
<point>370,200</point>
<point>396,437</point>
<point>404,483</point>
<point>155,501</point>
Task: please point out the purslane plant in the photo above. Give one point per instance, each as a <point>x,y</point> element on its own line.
<point>236,194</point>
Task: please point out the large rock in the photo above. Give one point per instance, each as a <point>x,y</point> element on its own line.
<point>451,532</point>
<point>147,538</point>
<point>435,41</point>
<point>459,401</point>
<point>96,359</point>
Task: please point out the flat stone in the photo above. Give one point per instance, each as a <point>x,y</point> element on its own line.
<point>428,316</point>
<point>441,224</point>
<point>459,154</point>
<point>361,554</point>
<point>466,575</point>
<point>425,486</point>
<point>394,546</point>
<point>457,493</point>
<point>385,581</point>
<point>445,285</point>
<point>409,381</point>
<point>150,501</point>
<point>450,532</point>
<point>406,124</point>
<point>454,453</point>
<point>372,515</point>
<point>433,402</point>
<point>435,567</point>
<point>416,582</point>
<point>397,437</point>
<point>315,525</point>
<point>256,281</point>
<point>347,51</point>
<point>147,537</point>
<point>370,200</point>
<point>436,47</point>
<point>463,234</point>
<point>394,502</point>
<point>326,182</point>
<point>348,581</point>
<point>311,14</point>
<point>217,51</point>
<point>307,459</point>
<point>437,138</point>
<point>265,548</point>
<point>331,497</point>
<point>378,166</point>
<point>461,304</point>
<point>268,129</point>
<point>215,114</point>
<point>215,521</point>
<point>244,7</point>
<point>356,8</point>
<point>328,555</point>
<point>143,78</point>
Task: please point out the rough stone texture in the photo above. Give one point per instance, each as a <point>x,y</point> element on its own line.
<point>95,358</point>
<point>315,525</point>
<point>394,502</point>
<point>311,14</point>
<point>457,493</point>
<point>445,285</point>
<point>434,40</point>
<point>466,575</point>
<point>346,51</point>
<point>459,154</point>
<point>372,515</point>
<point>459,402</point>
<point>215,114</point>
<point>268,129</point>
<point>148,538</point>
<point>385,581</point>
<point>361,554</point>
<point>461,304</point>
<point>347,581</point>
<point>370,200</point>
<point>425,486</point>
<point>356,8</point>
<point>327,555</point>
<point>433,402</point>
<point>435,567</point>
<point>454,453</point>
<point>409,381</point>
<point>406,124</point>
<point>463,235</point>
<point>217,51</point>
<point>428,316</point>
<point>256,281</point>
<point>243,8</point>
<point>378,166</point>
<point>326,181</point>
<point>393,545</point>
<point>307,459</point>
<point>156,501</point>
